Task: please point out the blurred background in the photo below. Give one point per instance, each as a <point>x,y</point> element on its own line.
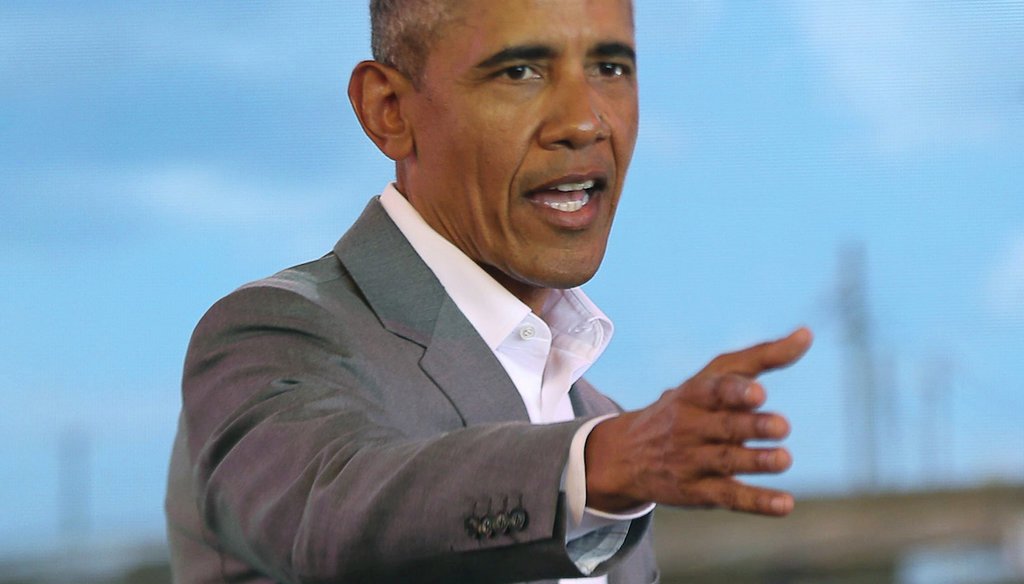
<point>857,167</point>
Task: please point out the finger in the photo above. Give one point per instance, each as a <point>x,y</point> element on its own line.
<point>726,460</point>
<point>725,392</point>
<point>755,360</point>
<point>736,427</point>
<point>736,496</point>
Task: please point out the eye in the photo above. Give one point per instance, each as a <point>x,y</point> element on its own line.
<point>520,73</point>
<point>614,69</point>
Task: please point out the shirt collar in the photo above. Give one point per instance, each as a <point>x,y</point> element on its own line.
<point>492,310</point>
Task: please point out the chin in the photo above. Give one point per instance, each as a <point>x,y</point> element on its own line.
<point>562,278</point>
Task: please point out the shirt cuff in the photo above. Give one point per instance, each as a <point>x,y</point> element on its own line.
<point>597,547</point>
<point>592,536</point>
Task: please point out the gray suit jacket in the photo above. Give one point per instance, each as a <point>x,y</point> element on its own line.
<point>343,422</point>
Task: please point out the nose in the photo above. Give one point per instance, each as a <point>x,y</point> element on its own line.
<point>575,117</point>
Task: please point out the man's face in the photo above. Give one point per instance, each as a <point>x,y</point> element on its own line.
<point>523,124</point>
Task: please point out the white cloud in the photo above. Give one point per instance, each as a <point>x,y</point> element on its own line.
<point>1005,286</point>
<point>95,206</point>
<point>209,196</point>
<point>74,45</point>
<point>923,73</point>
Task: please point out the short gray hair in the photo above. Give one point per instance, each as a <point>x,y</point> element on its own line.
<point>403,31</point>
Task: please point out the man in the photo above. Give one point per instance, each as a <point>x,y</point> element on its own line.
<point>409,407</point>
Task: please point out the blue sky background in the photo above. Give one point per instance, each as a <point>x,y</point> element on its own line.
<point>154,155</point>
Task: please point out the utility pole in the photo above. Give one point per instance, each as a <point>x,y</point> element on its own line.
<point>861,375</point>
<point>936,418</point>
<point>889,438</point>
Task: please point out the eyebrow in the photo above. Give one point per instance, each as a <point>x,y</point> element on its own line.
<point>517,53</point>
<point>608,50</point>
<point>541,52</point>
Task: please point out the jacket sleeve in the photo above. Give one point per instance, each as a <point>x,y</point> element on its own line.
<point>314,460</point>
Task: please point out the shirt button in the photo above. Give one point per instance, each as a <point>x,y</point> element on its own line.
<point>527,332</point>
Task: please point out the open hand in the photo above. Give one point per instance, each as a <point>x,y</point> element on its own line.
<point>687,448</point>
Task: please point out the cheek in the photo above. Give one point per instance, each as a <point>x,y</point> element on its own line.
<point>626,132</point>
<point>499,151</point>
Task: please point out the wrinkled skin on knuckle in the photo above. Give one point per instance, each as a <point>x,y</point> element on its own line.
<point>716,391</point>
<point>731,389</point>
<point>727,497</point>
<point>688,464</point>
<point>679,476</point>
<point>724,461</point>
<point>727,428</point>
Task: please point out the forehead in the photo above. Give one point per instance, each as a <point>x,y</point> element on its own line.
<point>483,26</point>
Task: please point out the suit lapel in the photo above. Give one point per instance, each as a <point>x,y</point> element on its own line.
<point>587,402</point>
<point>411,303</point>
<point>582,407</point>
<point>459,361</point>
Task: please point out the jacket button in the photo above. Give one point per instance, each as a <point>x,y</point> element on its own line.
<point>501,523</point>
<point>486,527</point>
<point>518,519</point>
<point>473,527</point>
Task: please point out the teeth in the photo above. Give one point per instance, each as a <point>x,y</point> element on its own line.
<point>570,206</point>
<point>570,187</point>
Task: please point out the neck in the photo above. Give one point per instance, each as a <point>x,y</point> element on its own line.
<point>533,296</point>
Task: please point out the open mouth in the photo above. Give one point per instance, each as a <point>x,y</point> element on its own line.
<point>568,195</point>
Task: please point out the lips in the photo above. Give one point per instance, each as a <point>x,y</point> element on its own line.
<point>568,194</point>
<point>569,203</point>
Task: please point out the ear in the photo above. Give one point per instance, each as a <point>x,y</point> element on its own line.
<point>375,91</point>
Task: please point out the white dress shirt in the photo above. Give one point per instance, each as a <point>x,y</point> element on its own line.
<point>542,354</point>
